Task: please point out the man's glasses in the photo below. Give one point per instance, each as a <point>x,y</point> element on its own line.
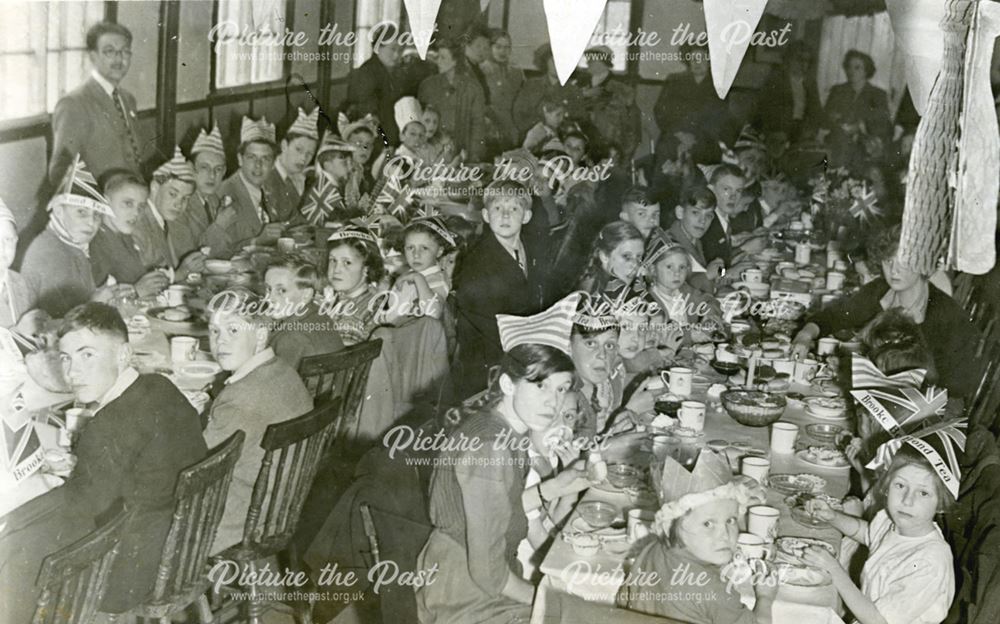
<point>112,54</point>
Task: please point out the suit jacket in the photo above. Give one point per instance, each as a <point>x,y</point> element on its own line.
<point>87,122</point>
<point>247,225</point>
<point>372,88</point>
<point>716,242</point>
<point>165,247</point>
<point>488,282</point>
<point>132,450</point>
<point>117,254</point>
<point>282,196</point>
<point>778,106</point>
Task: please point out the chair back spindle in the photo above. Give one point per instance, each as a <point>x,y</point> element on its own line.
<point>341,375</point>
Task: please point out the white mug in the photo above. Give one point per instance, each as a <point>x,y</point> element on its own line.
<point>827,346</point>
<point>783,436</point>
<point>784,366</point>
<point>692,415</point>
<point>638,523</point>
<point>176,294</point>
<point>183,348</point>
<point>840,265</point>
<point>286,244</point>
<point>752,276</point>
<point>832,256</point>
<point>755,468</point>
<point>835,280</point>
<point>752,546</point>
<point>762,521</point>
<point>803,253</point>
<point>678,379</point>
<point>805,370</point>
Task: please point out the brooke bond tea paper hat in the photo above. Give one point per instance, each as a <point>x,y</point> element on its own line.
<point>208,142</point>
<point>177,167</point>
<point>79,188</point>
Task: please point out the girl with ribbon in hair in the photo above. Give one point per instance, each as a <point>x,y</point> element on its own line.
<point>695,538</point>
<point>909,575</point>
<point>478,494</point>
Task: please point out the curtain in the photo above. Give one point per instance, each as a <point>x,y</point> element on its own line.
<point>871,34</point>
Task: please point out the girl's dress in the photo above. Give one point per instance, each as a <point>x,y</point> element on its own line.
<point>478,519</point>
<point>677,594</point>
<point>911,580</point>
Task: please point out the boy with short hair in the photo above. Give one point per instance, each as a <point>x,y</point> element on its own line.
<point>500,274</point>
<point>639,211</point>
<point>695,215</point>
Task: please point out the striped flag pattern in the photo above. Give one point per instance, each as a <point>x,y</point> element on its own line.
<point>324,200</point>
<point>940,444</point>
<point>900,409</point>
<point>79,188</point>
<point>395,198</point>
<point>864,374</point>
<point>866,206</point>
<point>551,327</point>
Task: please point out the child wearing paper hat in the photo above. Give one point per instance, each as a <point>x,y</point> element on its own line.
<point>696,531</point>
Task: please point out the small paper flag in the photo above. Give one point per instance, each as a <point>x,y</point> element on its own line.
<point>571,24</point>
<point>422,14</point>
<point>730,25</point>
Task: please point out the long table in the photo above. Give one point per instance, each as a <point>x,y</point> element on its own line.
<point>599,580</point>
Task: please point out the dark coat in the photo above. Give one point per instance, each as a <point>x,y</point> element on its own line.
<point>132,450</point>
<point>87,122</point>
<point>777,105</point>
<point>488,282</point>
<point>688,106</point>
<point>870,106</point>
<point>372,88</point>
<point>716,242</point>
<point>950,336</point>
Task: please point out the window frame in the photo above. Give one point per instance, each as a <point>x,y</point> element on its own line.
<point>216,92</point>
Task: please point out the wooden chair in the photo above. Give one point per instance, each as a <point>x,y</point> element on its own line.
<point>293,451</point>
<point>73,580</point>
<point>199,501</point>
<point>341,375</point>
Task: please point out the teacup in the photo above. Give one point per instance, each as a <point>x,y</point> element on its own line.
<point>679,380</point>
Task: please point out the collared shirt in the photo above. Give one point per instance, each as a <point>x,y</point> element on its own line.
<point>724,220</point>
<point>518,254</point>
<point>255,193</point>
<point>101,80</point>
<point>125,379</point>
<point>255,362</point>
<point>298,181</point>
<point>916,310</point>
<point>156,215</point>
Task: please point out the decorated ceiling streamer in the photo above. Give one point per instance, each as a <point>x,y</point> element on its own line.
<point>730,24</point>
<point>422,15</point>
<point>917,27</point>
<point>571,24</point>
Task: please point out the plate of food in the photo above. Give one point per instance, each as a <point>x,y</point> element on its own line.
<point>796,483</point>
<point>824,457</point>
<point>826,407</point>
<point>795,546</point>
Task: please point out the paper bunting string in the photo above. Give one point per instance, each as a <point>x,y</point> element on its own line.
<point>571,24</point>
<point>422,14</point>
<point>730,24</point>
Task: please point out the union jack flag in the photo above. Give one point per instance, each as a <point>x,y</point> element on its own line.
<point>865,206</point>
<point>394,198</point>
<point>864,374</point>
<point>940,444</point>
<point>899,410</point>
<point>323,201</point>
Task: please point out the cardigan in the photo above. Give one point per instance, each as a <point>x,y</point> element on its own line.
<point>60,275</point>
<point>950,336</point>
<point>270,393</point>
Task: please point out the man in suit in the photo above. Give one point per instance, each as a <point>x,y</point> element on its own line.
<point>372,88</point>
<point>142,434</point>
<point>208,157</point>
<point>287,180</point>
<point>98,119</point>
<point>247,212</point>
<point>500,274</point>
<point>791,103</point>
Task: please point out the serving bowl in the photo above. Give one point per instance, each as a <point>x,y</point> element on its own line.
<point>824,432</point>
<point>622,475</point>
<point>597,514</point>
<point>753,408</point>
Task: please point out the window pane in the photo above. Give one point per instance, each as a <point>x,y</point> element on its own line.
<point>370,13</point>
<point>613,31</point>
<point>240,63</point>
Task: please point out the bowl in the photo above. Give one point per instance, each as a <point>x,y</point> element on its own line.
<point>585,545</point>
<point>826,407</point>
<point>726,368</point>
<point>218,267</point>
<point>622,475</point>
<point>196,375</point>
<point>824,433</point>
<point>597,514</point>
<point>753,408</point>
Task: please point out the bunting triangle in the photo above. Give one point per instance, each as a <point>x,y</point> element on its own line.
<point>422,14</point>
<point>571,24</point>
<point>916,25</point>
<point>730,24</point>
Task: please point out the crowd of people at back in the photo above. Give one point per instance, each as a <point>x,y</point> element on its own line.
<point>673,229</point>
